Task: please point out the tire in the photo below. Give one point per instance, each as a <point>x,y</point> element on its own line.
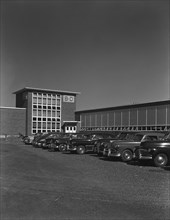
<point>62,147</point>
<point>81,149</point>
<point>127,155</point>
<point>161,160</point>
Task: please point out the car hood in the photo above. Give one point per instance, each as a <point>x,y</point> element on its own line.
<point>152,144</point>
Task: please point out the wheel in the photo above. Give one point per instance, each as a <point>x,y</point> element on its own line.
<point>62,147</point>
<point>127,155</point>
<point>81,149</point>
<point>160,160</point>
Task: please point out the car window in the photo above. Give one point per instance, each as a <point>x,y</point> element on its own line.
<point>166,137</point>
<point>122,136</point>
<point>130,137</point>
<point>147,138</point>
<point>153,138</point>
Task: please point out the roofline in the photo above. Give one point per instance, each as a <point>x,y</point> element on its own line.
<point>11,107</point>
<point>45,90</point>
<point>71,121</point>
<point>126,106</point>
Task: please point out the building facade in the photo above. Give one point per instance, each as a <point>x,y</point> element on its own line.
<point>46,110</point>
<point>12,121</point>
<point>146,116</point>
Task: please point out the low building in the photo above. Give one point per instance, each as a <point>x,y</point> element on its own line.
<point>144,116</point>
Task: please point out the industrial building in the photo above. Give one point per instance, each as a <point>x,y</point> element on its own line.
<point>45,110</point>
<point>145,116</point>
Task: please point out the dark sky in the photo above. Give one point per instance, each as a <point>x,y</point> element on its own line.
<point>113,52</point>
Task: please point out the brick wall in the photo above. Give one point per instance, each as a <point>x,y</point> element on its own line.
<point>68,111</point>
<point>12,121</point>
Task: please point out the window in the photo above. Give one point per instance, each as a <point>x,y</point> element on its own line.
<point>58,102</point>
<point>39,124</point>
<point>44,125</point>
<point>49,101</point>
<point>53,101</point>
<point>34,112</point>
<point>49,113</point>
<point>39,112</point>
<point>34,100</point>
<point>34,124</point>
<point>44,113</point>
<point>53,125</point>
<point>39,100</point>
<point>49,125</point>
<point>53,113</point>
<point>44,101</point>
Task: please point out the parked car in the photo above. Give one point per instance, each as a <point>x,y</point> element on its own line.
<point>22,137</point>
<point>53,143</point>
<point>99,144</point>
<point>86,143</point>
<point>36,137</point>
<point>28,139</point>
<point>125,149</point>
<point>64,143</point>
<point>124,135</point>
<point>157,151</point>
<point>40,140</point>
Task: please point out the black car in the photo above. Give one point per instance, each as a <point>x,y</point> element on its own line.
<point>100,143</point>
<point>157,151</point>
<point>86,143</point>
<point>58,142</point>
<point>124,135</point>
<point>41,139</point>
<point>125,148</point>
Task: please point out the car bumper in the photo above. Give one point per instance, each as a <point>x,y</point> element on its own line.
<point>113,153</point>
<point>71,148</point>
<point>142,154</point>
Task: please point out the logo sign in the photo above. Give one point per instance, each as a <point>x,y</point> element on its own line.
<point>67,98</point>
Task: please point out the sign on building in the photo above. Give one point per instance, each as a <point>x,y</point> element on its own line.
<point>67,98</point>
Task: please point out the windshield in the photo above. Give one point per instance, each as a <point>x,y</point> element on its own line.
<point>166,137</point>
<point>130,136</point>
<point>138,137</point>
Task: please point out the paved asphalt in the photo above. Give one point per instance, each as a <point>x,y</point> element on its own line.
<point>41,185</point>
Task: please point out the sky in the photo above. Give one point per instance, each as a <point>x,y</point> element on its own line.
<point>113,52</point>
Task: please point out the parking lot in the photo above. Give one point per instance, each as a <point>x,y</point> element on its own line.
<point>37,184</point>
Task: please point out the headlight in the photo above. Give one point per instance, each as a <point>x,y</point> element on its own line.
<point>105,145</point>
<point>151,149</point>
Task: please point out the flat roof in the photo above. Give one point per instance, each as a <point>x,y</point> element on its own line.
<point>45,90</point>
<point>165,102</point>
<point>11,107</point>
